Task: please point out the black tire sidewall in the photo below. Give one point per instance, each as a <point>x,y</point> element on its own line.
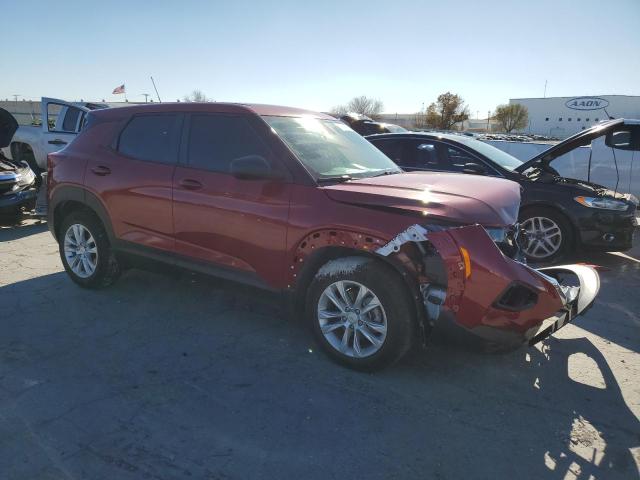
<point>565,227</point>
<point>106,270</point>
<point>386,284</point>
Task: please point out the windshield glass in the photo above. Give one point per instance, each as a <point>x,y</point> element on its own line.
<point>329,148</point>
<point>494,154</point>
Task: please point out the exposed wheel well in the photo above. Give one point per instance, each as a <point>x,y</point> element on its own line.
<point>23,151</point>
<point>323,255</point>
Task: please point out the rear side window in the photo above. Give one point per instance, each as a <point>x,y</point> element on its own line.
<point>216,140</point>
<point>423,155</point>
<point>151,137</point>
<point>71,119</point>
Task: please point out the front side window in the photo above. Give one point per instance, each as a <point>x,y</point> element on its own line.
<point>216,140</point>
<point>459,158</point>
<point>494,154</point>
<point>329,148</point>
<point>151,137</point>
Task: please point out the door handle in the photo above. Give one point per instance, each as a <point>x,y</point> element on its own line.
<point>101,170</point>
<point>189,184</point>
<point>57,141</point>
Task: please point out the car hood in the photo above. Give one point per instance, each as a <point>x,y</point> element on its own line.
<point>585,188</point>
<point>451,197</point>
<point>8,127</point>
<point>580,139</point>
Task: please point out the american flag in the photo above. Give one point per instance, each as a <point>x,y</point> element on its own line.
<point>119,89</point>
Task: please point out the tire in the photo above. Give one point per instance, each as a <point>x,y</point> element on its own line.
<point>396,310</point>
<point>106,268</point>
<point>530,220</point>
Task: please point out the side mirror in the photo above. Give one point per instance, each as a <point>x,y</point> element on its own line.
<point>252,167</point>
<point>621,140</point>
<point>474,168</point>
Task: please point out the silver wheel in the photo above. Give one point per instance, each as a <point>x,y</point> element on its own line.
<point>80,250</point>
<point>352,319</point>
<point>544,237</point>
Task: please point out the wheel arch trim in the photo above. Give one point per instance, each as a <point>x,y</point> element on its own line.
<point>72,193</point>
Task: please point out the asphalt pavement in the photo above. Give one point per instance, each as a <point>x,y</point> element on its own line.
<point>171,375</point>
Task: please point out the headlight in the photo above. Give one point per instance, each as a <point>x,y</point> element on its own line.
<point>602,203</point>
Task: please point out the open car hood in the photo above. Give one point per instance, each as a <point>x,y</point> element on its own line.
<point>8,126</point>
<point>580,139</point>
<point>450,197</point>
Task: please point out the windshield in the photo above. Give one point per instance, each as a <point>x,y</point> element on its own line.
<point>506,161</point>
<point>329,148</point>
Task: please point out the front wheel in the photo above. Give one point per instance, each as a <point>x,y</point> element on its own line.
<point>85,251</point>
<point>360,313</point>
<point>549,235</point>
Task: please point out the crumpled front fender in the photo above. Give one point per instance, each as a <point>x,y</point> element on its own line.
<point>498,298</point>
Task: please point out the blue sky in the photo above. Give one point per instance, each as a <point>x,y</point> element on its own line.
<point>319,54</point>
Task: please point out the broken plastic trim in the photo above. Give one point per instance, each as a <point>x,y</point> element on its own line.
<point>433,296</point>
<point>415,233</point>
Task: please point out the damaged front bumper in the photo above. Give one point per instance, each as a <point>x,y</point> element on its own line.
<point>487,293</point>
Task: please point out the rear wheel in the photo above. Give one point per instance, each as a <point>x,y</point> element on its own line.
<point>85,251</point>
<point>549,235</point>
<point>360,313</point>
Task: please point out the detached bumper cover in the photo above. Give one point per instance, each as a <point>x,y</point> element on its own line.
<point>497,298</point>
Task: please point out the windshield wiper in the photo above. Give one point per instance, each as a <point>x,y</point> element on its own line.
<point>387,172</point>
<point>334,179</point>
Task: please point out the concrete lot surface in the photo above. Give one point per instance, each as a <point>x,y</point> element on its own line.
<point>173,375</point>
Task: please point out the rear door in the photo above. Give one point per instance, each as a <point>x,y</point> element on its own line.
<point>237,225</point>
<point>61,122</point>
<point>423,155</point>
<point>134,179</point>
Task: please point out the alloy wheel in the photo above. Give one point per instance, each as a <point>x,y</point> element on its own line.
<point>543,237</point>
<point>80,250</point>
<point>352,319</point>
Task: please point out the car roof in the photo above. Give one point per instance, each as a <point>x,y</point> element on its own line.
<point>437,135</point>
<point>210,107</point>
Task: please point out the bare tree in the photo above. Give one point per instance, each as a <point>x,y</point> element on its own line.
<point>512,117</point>
<point>363,105</point>
<point>196,96</point>
<point>448,110</point>
<point>339,110</point>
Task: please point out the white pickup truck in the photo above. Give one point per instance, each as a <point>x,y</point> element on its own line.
<point>61,122</point>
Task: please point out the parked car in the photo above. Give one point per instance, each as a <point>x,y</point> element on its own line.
<point>366,126</point>
<point>297,202</point>
<point>559,214</point>
<point>60,123</point>
<point>17,180</point>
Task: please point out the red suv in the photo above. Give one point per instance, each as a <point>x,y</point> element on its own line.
<point>295,201</point>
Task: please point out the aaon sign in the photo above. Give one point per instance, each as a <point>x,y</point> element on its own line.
<point>587,103</point>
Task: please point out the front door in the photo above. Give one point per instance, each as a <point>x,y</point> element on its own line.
<point>237,225</point>
<point>61,122</point>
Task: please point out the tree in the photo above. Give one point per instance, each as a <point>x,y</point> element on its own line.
<point>363,105</point>
<point>448,110</point>
<point>512,117</point>
<point>196,96</point>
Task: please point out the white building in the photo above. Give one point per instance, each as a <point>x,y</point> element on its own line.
<point>563,116</point>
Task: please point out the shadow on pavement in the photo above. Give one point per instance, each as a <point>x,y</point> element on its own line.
<point>182,375</point>
<point>23,228</point>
